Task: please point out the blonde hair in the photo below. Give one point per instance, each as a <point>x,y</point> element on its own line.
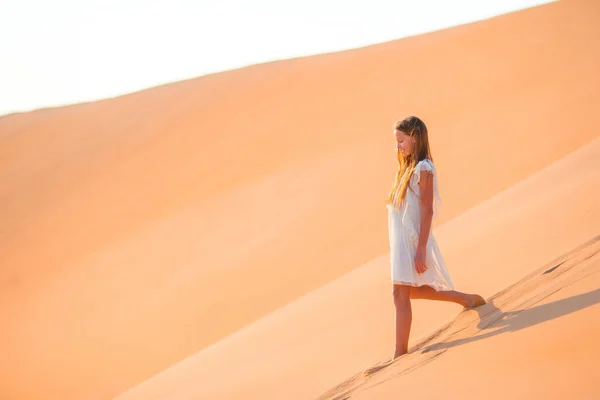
<point>415,128</point>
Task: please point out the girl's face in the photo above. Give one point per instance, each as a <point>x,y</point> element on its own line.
<point>404,143</point>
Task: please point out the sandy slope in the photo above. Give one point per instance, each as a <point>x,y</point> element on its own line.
<point>539,341</point>
<point>137,231</point>
<point>309,346</point>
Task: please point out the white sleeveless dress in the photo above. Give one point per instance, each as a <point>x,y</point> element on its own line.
<point>404,226</point>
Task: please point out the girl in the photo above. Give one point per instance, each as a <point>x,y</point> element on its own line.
<point>418,269</point>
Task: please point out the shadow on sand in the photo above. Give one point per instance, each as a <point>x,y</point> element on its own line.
<point>512,321</point>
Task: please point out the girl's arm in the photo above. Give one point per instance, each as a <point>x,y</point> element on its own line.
<point>426,204</point>
<point>426,200</point>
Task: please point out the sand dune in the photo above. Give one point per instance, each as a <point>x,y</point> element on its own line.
<point>309,346</point>
<point>236,221</point>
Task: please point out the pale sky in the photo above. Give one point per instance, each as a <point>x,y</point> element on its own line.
<point>67,51</point>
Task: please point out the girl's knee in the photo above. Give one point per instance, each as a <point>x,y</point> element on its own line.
<point>401,293</point>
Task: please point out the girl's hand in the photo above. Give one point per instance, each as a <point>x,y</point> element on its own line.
<point>420,260</point>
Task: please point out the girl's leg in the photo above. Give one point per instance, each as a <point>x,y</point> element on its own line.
<point>429,293</point>
<point>403,318</point>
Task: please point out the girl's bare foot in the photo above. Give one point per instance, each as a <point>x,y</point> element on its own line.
<point>474,300</point>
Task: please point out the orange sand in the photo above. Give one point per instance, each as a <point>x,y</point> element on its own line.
<point>225,237</point>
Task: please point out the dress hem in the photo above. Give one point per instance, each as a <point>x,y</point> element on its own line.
<point>437,288</point>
